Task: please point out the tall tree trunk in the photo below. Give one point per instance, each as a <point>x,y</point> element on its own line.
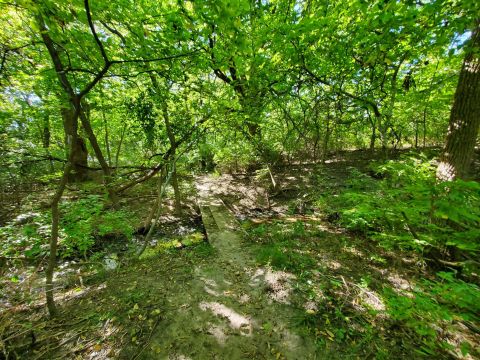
<point>464,117</point>
<point>373,136</point>
<point>71,118</point>
<point>78,149</point>
<point>388,118</point>
<point>424,123</point>
<point>416,133</point>
<point>70,165</point>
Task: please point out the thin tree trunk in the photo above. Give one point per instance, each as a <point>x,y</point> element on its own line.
<point>46,132</point>
<point>148,221</point>
<point>107,138</point>
<point>425,109</point>
<point>101,159</point>
<point>156,210</point>
<point>74,101</point>
<point>464,117</point>
<point>176,192</point>
<point>389,113</point>
<point>117,155</point>
<point>373,138</point>
<point>173,143</point>
<point>52,260</point>
<point>416,133</point>
<point>373,135</point>
<point>425,126</point>
<point>326,140</point>
<point>46,137</point>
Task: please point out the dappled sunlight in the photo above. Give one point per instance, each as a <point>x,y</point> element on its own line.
<point>218,332</point>
<point>370,299</point>
<point>236,321</point>
<point>178,357</point>
<point>399,283</point>
<point>278,283</point>
<point>445,171</point>
<point>210,287</point>
<point>273,287</point>
<point>236,191</point>
<point>333,264</point>
<point>354,251</point>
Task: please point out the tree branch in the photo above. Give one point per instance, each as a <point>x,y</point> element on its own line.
<point>94,32</point>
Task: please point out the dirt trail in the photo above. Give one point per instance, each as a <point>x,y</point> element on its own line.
<point>229,309</point>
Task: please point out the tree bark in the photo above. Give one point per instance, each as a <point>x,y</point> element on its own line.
<point>72,113</point>
<point>464,116</point>
<point>52,260</point>
<point>46,132</point>
<point>98,153</point>
<point>78,149</point>
<point>107,137</point>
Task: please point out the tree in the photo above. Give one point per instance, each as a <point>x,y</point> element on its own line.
<point>464,117</point>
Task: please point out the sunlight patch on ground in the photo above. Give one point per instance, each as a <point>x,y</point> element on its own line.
<point>460,335</point>
<point>237,321</point>
<point>210,286</point>
<point>354,251</point>
<point>178,357</point>
<point>244,298</point>
<point>368,298</point>
<point>277,283</point>
<point>399,283</point>
<point>218,332</point>
<point>310,307</point>
<point>333,264</point>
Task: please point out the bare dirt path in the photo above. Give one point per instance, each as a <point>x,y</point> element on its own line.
<point>229,309</point>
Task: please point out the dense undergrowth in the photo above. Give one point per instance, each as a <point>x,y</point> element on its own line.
<point>87,228</point>
<point>406,208</point>
<point>393,207</point>
<point>384,259</point>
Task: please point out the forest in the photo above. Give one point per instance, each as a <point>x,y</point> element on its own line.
<point>241,179</point>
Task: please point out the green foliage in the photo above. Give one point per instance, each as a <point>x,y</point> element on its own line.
<point>280,256</point>
<point>279,245</point>
<point>85,226</point>
<point>408,209</point>
<point>143,111</point>
<point>234,157</point>
<point>86,222</point>
<point>29,240</point>
<point>439,302</point>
